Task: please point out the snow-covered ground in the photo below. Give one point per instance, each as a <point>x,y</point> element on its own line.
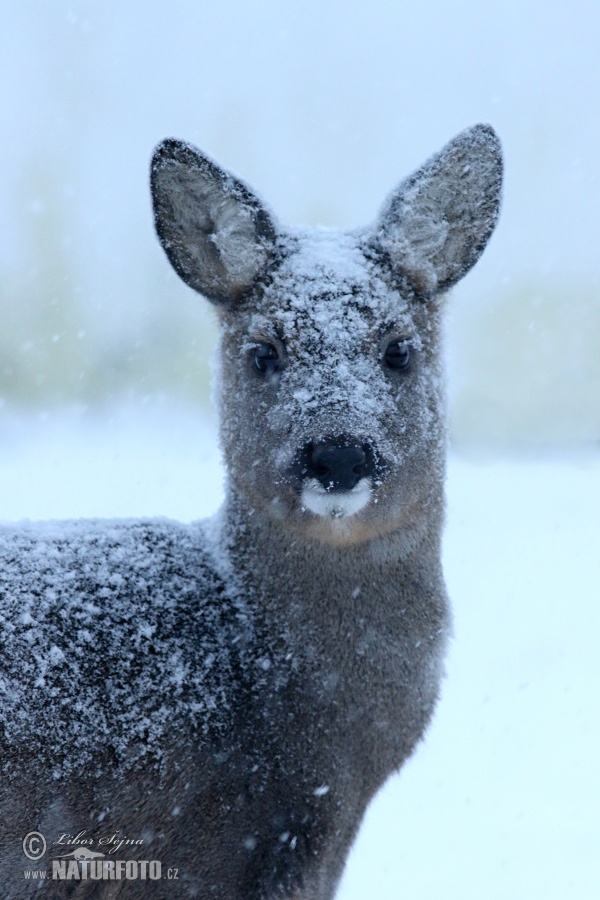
<point>502,799</point>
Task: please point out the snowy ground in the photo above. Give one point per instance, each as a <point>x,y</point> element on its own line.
<point>502,799</point>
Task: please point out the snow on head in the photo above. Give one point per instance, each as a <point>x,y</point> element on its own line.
<point>329,310</point>
<point>327,303</point>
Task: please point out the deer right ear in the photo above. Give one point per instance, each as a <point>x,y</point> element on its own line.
<point>216,233</point>
<point>436,225</point>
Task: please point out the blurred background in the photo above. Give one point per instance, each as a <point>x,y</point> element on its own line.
<point>104,354</point>
<point>322,107</point>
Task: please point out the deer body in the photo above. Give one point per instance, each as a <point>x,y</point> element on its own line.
<point>234,692</point>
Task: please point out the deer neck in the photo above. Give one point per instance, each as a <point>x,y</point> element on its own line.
<point>301,580</point>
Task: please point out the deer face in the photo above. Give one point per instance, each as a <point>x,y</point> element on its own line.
<point>330,390</point>
<point>330,382</point>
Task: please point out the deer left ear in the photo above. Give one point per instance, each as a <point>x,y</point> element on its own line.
<point>217,234</point>
<point>436,225</point>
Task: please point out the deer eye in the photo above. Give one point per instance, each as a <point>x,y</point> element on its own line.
<point>266,359</point>
<point>397,355</point>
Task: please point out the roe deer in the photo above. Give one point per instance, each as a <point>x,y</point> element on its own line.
<point>231,694</point>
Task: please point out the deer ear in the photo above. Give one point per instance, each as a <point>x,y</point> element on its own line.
<point>216,233</point>
<point>436,224</point>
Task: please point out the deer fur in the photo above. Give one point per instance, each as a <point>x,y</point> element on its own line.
<point>234,692</point>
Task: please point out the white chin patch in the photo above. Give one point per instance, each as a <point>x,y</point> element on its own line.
<point>335,504</point>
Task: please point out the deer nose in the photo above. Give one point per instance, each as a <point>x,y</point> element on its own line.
<point>337,465</point>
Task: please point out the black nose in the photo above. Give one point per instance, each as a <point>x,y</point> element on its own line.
<point>336,464</point>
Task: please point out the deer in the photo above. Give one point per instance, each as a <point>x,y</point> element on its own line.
<point>227,696</point>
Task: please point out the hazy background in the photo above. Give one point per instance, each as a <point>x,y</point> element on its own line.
<point>322,108</point>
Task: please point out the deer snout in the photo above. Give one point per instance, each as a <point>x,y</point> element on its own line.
<point>336,464</point>
<point>335,477</point>
<point>338,467</point>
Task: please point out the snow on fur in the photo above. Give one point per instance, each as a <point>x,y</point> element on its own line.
<point>129,642</point>
<point>111,632</point>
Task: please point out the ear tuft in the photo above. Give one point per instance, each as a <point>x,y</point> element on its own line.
<point>437,223</point>
<point>216,233</point>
